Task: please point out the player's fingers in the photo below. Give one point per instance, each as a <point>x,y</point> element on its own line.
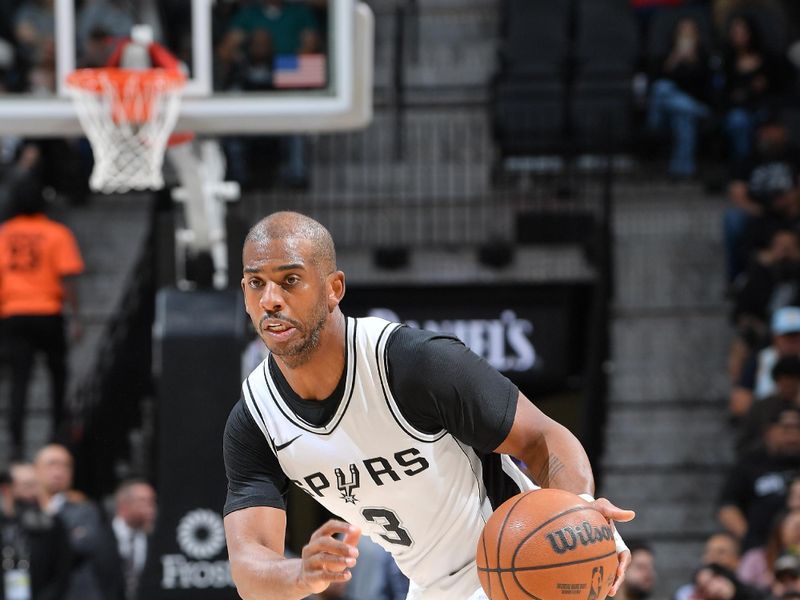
<point>331,546</point>
<point>324,561</point>
<point>318,580</point>
<point>624,561</point>
<point>352,536</point>
<point>614,513</point>
<point>332,527</point>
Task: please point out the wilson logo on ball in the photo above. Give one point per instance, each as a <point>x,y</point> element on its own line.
<point>567,538</point>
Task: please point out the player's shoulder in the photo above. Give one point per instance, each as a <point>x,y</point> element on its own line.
<point>239,419</point>
<point>422,351</point>
<point>412,339</point>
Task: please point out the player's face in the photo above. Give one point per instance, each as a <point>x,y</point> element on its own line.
<point>286,297</point>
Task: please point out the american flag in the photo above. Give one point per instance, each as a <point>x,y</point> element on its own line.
<point>301,71</point>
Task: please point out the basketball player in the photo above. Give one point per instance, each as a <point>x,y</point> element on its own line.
<point>405,434</point>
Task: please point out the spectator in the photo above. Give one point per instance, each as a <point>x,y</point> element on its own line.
<point>758,565</point>
<point>34,25</point>
<point>679,95</point>
<point>771,281</point>
<point>786,374</point>
<point>291,26</point>
<point>756,487</point>
<point>34,545</point>
<point>793,496</point>
<point>256,72</point>
<point>640,579</point>
<point>97,49</point>
<point>721,548</point>
<point>715,582</point>
<point>134,522</point>
<point>95,571</point>
<point>42,75</point>
<point>111,17</point>
<point>748,83</point>
<point>786,577</point>
<point>724,549</point>
<point>756,381</point>
<point>37,259</point>
<point>724,10</point>
<point>25,484</point>
<point>764,194</point>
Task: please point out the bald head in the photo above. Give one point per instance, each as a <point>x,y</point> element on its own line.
<point>294,226</point>
<point>54,468</point>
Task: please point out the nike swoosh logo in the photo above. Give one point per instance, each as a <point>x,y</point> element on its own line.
<point>280,447</point>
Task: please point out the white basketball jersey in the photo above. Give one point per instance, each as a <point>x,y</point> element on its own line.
<point>420,496</point>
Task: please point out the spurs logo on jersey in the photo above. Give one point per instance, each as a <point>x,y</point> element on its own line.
<point>346,487</point>
<point>421,496</point>
<point>381,470</point>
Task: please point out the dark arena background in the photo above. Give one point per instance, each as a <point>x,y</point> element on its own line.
<point>599,197</point>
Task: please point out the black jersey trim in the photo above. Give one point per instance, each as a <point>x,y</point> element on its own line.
<point>260,416</point>
<point>350,361</point>
<point>381,360</point>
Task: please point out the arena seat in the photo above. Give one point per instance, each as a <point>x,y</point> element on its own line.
<point>535,37</point>
<point>606,50</point>
<point>528,95</point>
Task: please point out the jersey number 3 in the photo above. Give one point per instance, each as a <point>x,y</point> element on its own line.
<point>390,523</point>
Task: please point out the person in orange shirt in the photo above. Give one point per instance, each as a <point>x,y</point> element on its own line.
<point>38,259</point>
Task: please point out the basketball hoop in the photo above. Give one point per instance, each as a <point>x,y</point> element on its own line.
<point>128,116</point>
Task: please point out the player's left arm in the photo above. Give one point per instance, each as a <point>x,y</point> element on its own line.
<point>557,459</point>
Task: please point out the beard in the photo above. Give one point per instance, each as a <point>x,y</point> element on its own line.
<point>300,352</point>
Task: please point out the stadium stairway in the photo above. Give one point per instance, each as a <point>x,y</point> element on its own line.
<point>111,231</point>
<point>668,443</point>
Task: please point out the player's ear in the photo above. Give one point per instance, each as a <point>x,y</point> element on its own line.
<point>336,288</point>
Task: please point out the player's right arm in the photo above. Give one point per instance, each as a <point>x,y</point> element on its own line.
<point>255,546</point>
<point>255,523</point>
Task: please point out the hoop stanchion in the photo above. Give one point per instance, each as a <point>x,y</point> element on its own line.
<point>128,116</point>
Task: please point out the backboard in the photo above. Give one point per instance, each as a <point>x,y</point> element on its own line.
<point>341,100</point>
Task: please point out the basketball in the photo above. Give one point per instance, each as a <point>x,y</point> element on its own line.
<point>547,544</point>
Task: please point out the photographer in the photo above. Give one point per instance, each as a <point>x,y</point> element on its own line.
<point>35,551</point>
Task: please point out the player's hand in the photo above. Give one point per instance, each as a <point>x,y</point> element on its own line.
<point>325,559</point>
<point>614,513</point>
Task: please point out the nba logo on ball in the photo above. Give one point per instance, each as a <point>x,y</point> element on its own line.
<point>547,544</point>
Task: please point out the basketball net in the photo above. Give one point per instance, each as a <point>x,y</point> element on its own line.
<point>128,111</point>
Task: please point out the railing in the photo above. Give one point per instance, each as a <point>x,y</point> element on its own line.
<point>106,405</point>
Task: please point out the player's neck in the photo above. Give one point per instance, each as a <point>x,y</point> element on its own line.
<point>317,378</point>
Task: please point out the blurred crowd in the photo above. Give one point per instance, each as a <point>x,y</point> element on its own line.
<point>58,544</point>
<point>726,87</point>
